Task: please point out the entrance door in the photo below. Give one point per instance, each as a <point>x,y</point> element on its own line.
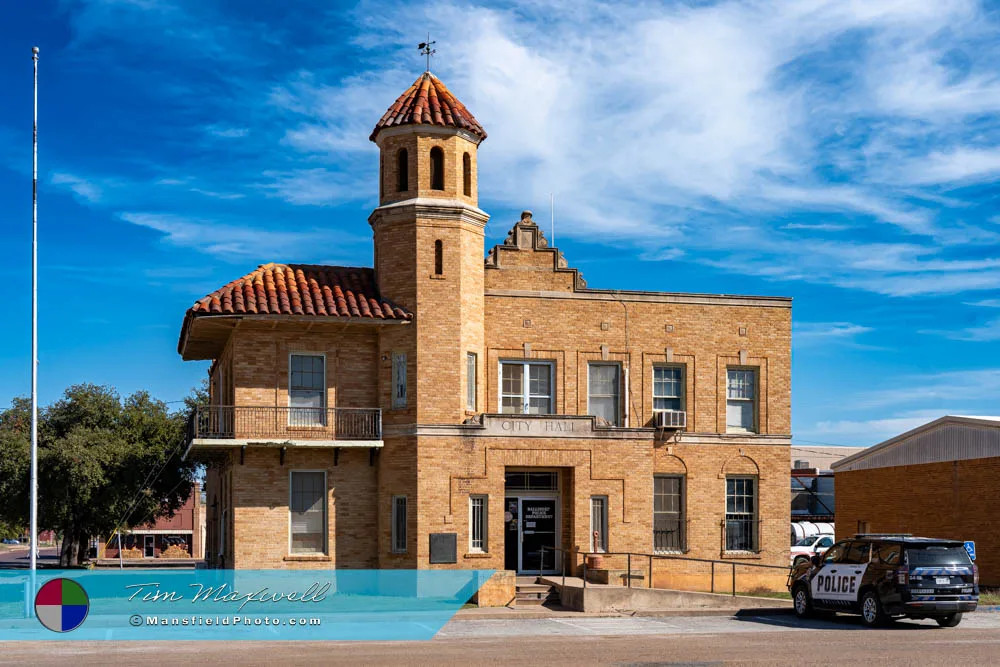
<point>511,534</point>
<point>149,550</point>
<point>538,529</point>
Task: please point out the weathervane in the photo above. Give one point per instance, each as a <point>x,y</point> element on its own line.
<point>425,49</point>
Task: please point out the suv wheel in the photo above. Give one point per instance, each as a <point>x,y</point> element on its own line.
<point>803,605</point>
<point>872,614</point>
<point>949,621</point>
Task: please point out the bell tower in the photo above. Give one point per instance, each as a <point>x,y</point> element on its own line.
<point>428,234</point>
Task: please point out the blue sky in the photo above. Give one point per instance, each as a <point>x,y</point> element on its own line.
<point>842,153</point>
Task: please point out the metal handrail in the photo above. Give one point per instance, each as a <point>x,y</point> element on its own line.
<point>231,422</point>
<point>628,554</point>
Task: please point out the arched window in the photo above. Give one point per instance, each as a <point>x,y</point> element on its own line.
<point>437,168</point>
<point>467,174</point>
<point>403,170</point>
<point>438,258</point>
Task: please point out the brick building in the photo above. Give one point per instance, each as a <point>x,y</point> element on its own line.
<point>455,408</point>
<point>177,536</point>
<point>938,480</point>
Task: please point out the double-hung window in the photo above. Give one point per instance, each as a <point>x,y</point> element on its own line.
<point>668,513</point>
<point>603,392</point>
<point>478,513</point>
<point>668,388</point>
<point>399,524</point>
<point>741,400</point>
<point>526,387</point>
<point>307,390</point>
<point>307,507</point>
<point>741,514</point>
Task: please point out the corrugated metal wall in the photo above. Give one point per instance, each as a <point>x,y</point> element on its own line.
<point>948,442</point>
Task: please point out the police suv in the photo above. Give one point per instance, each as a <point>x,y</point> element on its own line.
<point>883,577</point>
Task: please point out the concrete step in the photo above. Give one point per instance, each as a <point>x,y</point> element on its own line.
<point>535,594</point>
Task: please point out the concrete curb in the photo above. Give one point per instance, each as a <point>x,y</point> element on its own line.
<point>507,613</point>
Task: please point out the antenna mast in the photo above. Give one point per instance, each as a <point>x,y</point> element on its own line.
<point>33,539</point>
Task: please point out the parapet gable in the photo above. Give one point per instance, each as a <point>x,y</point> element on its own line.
<point>524,261</point>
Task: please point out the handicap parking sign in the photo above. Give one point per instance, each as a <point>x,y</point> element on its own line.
<point>971,548</point>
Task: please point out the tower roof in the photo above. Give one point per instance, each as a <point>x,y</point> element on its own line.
<point>429,102</point>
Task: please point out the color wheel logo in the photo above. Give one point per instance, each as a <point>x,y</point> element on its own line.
<point>61,605</point>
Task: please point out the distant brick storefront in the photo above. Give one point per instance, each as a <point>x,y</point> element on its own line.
<point>939,480</point>
<point>456,408</point>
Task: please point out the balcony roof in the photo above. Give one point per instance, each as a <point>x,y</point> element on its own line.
<point>308,292</point>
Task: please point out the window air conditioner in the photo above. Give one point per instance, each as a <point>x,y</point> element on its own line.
<point>671,419</point>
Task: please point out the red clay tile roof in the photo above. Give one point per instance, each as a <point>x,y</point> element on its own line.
<point>302,289</point>
<point>429,102</point>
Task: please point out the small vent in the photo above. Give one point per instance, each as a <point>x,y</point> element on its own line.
<point>671,419</point>
<point>800,464</point>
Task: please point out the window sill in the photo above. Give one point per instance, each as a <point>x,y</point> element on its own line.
<point>397,553</point>
<point>742,555</point>
<point>730,431</point>
<point>478,554</point>
<point>436,277</point>
<point>308,558</point>
<point>676,552</point>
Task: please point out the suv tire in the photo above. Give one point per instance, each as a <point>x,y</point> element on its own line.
<point>802,602</point>
<point>872,614</point>
<point>949,621</point>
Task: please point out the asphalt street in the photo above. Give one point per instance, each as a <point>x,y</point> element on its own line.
<point>623,641</point>
<point>18,558</point>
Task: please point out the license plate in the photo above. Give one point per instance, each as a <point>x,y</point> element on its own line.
<point>942,580</point>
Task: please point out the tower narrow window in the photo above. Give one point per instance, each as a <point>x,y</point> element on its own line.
<point>438,258</point>
<point>437,168</point>
<point>402,170</point>
<point>467,175</point>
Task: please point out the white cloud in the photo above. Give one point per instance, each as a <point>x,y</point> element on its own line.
<point>87,191</point>
<point>826,332</point>
<point>988,332</point>
<point>234,242</point>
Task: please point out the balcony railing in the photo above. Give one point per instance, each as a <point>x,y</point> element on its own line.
<point>252,422</point>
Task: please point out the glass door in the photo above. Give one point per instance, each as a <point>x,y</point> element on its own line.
<point>538,529</point>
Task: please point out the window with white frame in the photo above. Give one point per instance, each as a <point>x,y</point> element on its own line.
<point>741,400</point>
<point>307,390</point>
<point>478,515</point>
<point>398,380</point>
<point>470,381</point>
<point>603,392</point>
<point>668,513</point>
<point>526,387</point>
<point>668,388</point>
<point>741,514</point>
<point>399,524</point>
<point>307,509</point>
<point>599,523</point>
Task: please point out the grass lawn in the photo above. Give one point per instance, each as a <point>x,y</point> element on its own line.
<point>989,596</point>
<point>767,593</point>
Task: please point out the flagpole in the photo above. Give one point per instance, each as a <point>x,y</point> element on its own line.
<point>34,326</point>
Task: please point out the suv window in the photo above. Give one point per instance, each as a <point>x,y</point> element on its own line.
<point>890,554</point>
<point>857,553</point>
<point>835,554</point>
<point>824,543</point>
<point>936,555</point>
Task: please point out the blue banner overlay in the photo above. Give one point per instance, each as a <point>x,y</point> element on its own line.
<point>271,605</point>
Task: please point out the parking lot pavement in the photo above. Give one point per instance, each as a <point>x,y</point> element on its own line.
<point>679,625</point>
<point>619,642</point>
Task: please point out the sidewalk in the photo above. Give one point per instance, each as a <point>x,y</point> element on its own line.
<point>541,612</point>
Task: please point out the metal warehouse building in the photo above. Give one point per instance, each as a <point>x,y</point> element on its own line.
<point>941,479</point>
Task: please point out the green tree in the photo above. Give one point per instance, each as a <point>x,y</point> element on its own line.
<point>104,464</point>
